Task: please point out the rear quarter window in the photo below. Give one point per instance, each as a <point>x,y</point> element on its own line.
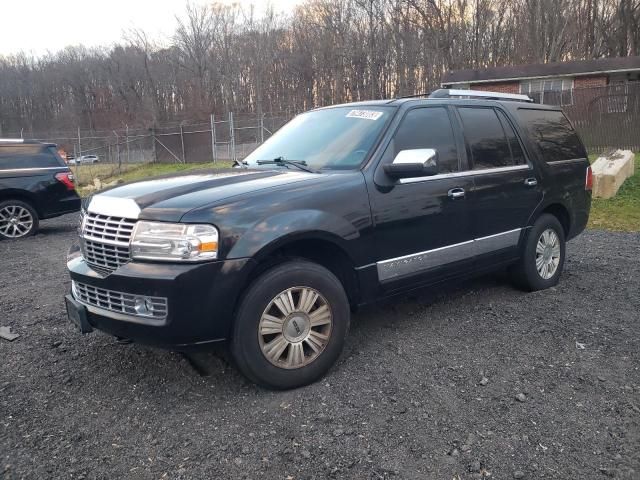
<point>14,157</point>
<point>553,134</point>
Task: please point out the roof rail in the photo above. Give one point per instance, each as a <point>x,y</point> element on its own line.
<point>449,93</point>
<point>415,95</point>
<point>12,140</point>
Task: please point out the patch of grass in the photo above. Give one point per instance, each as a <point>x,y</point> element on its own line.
<point>140,172</point>
<point>622,212</point>
<point>86,173</point>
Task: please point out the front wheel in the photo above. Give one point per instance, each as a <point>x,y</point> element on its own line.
<point>543,256</point>
<point>291,325</point>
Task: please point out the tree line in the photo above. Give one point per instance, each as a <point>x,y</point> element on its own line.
<point>228,58</point>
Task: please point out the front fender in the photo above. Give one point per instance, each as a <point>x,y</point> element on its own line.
<point>274,231</point>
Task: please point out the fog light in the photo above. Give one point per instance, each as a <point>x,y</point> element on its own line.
<point>143,306</point>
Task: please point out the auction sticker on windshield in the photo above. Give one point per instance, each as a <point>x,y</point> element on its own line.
<point>366,114</point>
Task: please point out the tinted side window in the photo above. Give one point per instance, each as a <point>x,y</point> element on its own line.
<point>485,138</point>
<point>428,128</point>
<point>514,144</point>
<point>59,161</point>
<point>553,133</point>
<point>26,156</point>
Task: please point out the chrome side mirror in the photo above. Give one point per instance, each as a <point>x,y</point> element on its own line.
<point>419,162</point>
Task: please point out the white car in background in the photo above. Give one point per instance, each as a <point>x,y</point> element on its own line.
<point>84,160</point>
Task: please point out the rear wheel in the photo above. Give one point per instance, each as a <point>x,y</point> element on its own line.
<point>543,256</point>
<point>17,219</point>
<point>291,325</point>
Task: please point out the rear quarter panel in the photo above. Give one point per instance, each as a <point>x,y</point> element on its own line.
<point>565,184</point>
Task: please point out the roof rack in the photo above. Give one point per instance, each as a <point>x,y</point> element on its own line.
<point>415,95</point>
<point>449,93</point>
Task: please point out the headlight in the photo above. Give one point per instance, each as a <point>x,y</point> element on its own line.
<point>174,242</point>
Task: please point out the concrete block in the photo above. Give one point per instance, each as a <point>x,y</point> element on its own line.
<point>610,172</point>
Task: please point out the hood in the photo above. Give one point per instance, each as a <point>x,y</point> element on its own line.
<point>169,198</point>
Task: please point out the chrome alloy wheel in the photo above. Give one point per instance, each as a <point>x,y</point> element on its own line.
<point>548,254</point>
<point>15,221</point>
<point>295,327</point>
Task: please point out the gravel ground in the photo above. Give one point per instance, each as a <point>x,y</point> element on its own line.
<point>478,381</point>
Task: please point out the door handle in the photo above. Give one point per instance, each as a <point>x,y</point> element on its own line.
<point>531,182</point>
<point>456,193</point>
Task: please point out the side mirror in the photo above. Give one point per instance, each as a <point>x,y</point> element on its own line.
<point>419,162</point>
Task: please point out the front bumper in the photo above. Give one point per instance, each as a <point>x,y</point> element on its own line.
<point>201,299</point>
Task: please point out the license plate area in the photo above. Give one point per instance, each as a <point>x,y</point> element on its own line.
<point>77,314</point>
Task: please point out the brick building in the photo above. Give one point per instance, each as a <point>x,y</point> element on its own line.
<point>550,83</point>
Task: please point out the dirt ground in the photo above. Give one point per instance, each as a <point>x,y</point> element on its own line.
<point>477,380</point>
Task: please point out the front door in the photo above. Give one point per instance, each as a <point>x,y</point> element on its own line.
<point>506,190</point>
<point>422,225</point>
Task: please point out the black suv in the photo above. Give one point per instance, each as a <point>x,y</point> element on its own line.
<point>35,184</point>
<point>342,207</point>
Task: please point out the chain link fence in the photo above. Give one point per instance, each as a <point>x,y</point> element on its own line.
<point>605,117</point>
<point>103,154</point>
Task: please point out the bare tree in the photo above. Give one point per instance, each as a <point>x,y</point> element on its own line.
<point>225,57</point>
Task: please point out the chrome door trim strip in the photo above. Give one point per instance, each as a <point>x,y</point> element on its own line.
<point>417,262</point>
<point>368,265</point>
<point>408,264</point>
<point>466,173</point>
<point>31,169</point>
<point>571,160</point>
<point>495,242</point>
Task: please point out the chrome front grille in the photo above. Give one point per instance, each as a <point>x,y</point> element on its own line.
<point>120,302</point>
<point>105,241</point>
<point>113,230</point>
<point>104,256</point>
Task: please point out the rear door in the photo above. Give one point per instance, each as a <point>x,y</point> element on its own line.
<point>564,162</point>
<point>506,187</point>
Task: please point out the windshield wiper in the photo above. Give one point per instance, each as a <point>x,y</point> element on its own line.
<point>301,164</point>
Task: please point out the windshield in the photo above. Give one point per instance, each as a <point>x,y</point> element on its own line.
<point>334,138</point>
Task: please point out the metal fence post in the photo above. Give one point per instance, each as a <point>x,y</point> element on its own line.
<point>79,144</point>
<point>128,148</point>
<point>154,148</point>
<point>118,150</point>
<point>213,138</point>
<point>232,139</point>
<point>184,159</point>
<point>261,128</point>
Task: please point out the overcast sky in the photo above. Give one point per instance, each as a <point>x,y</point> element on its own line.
<point>38,26</point>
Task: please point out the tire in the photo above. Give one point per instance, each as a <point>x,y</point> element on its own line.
<point>542,258</point>
<point>18,219</point>
<point>314,330</point>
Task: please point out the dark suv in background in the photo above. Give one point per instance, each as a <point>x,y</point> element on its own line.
<point>342,207</point>
<point>35,184</point>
